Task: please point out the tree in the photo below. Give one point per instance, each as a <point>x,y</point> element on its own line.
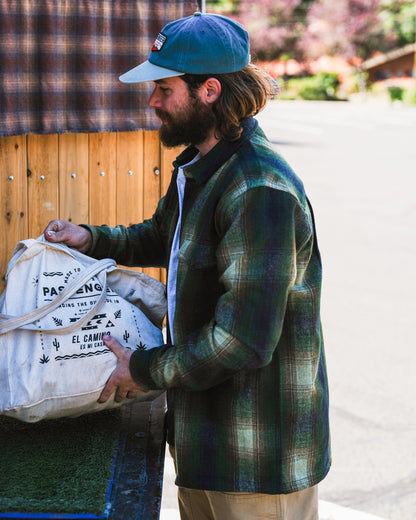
<point>275,26</point>
<point>349,28</point>
<point>284,29</point>
<point>399,19</point>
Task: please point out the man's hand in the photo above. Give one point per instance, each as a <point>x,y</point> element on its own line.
<point>70,234</point>
<point>120,380</point>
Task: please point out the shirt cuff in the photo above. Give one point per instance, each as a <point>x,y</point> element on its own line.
<point>140,369</point>
<point>94,236</point>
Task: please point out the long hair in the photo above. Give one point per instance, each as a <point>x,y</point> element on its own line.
<point>243,94</point>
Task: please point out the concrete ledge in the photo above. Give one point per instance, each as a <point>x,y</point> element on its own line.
<point>330,511</point>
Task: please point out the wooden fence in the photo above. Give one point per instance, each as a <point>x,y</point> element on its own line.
<point>107,178</point>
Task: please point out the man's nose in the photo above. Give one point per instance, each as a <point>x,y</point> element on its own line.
<point>154,100</point>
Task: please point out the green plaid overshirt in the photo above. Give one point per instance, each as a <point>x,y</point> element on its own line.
<point>246,378</point>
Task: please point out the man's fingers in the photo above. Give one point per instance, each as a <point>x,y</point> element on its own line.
<point>53,226</point>
<point>56,236</point>
<point>120,380</point>
<point>68,233</point>
<point>120,396</point>
<point>121,392</point>
<point>113,345</point>
<point>52,231</point>
<point>108,391</point>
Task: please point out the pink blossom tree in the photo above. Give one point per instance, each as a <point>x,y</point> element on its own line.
<point>350,28</point>
<point>275,26</point>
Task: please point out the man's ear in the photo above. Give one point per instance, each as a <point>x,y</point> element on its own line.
<point>211,90</point>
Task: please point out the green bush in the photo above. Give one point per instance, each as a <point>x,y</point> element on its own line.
<point>313,94</point>
<point>396,93</point>
<point>409,96</point>
<point>328,81</point>
<point>321,87</point>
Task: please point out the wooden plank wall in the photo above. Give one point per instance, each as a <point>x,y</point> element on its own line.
<point>108,178</point>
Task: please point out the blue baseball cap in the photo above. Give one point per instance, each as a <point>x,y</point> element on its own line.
<point>198,44</point>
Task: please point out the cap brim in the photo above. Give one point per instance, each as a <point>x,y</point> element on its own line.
<point>147,72</point>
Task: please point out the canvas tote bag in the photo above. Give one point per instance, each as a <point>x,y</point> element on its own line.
<point>57,305</point>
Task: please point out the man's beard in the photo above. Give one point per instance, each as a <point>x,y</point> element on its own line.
<point>193,126</point>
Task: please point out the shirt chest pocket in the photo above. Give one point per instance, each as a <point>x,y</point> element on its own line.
<point>198,287</point>
<point>197,255</point>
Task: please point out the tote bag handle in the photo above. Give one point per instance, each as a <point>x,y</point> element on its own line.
<point>9,323</point>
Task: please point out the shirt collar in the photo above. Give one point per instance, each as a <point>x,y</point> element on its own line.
<point>202,170</point>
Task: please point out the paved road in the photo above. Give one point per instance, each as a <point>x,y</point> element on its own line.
<point>358,163</point>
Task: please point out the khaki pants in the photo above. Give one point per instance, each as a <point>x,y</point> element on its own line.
<point>195,504</point>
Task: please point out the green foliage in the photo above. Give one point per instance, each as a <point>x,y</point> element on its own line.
<point>409,96</point>
<point>222,6</point>
<point>313,94</point>
<point>396,93</point>
<point>399,20</point>
<point>358,80</point>
<point>321,87</point>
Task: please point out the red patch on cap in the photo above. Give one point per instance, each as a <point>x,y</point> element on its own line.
<point>159,42</point>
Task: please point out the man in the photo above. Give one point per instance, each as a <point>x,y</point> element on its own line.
<point>244,366</point>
